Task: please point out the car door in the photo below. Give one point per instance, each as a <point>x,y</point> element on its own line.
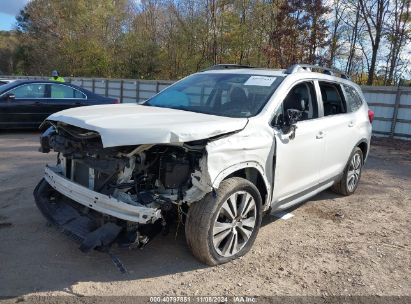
<point>63,97</point>
<point>338,127</point>
<point>27,107</point>
<point>298,159</point>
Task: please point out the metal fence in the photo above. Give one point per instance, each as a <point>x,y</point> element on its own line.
<point>392,105</point>
<point>392,108</point>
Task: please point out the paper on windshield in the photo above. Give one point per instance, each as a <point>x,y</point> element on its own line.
<point>263,81</point>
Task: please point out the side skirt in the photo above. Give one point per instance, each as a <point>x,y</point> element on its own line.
<point>304,195</point>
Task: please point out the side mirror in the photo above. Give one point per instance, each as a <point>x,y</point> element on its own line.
<point>9,96</point>
<point>292,117</point>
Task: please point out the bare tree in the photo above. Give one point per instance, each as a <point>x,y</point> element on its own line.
<point>355,32</point>
<point>397,35</point>
<point>335,40</point>
<point>172,38</point>
<point>374,13</point>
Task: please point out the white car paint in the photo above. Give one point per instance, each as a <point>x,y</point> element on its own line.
<point>304,165</point>
<point>318,152</point>
<point>132,124</point>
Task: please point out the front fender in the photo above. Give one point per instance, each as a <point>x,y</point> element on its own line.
<point>244,165</point>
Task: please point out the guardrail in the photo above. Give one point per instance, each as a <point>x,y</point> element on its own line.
<point>392,105</point>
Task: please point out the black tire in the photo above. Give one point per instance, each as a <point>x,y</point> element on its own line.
<point>341,187</point>
<point>202,216</point>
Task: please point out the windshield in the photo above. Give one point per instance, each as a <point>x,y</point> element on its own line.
<point>231,95</point>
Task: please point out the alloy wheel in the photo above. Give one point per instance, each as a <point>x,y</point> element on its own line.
<point>234,223</point>
<point>354,171</point>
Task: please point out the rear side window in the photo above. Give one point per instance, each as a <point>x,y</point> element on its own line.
<point>333,100</point>
<point>354,100</point>
<point>62,91</point>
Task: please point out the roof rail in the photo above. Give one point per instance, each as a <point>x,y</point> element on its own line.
<point>228,66</point>
<point>308,67</point>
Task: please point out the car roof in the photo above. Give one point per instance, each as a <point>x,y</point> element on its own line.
<point>17,82</point>
<point>39,80</point>
<point>303,74</point>
<point>254,71</point>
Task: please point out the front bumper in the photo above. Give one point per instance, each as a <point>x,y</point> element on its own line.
<point>100,202</point>
<point>83,228</point>
<point>105,220</point>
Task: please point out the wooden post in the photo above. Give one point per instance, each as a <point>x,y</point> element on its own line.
<point>395,113</point>
<point>121,90</point>
<point>137,91</point>
<point>106,88</point>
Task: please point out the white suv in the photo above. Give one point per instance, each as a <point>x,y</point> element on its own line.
<point>215,150</point>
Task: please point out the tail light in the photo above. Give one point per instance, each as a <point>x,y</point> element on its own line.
<point>370,115</point>
<point>116,101</point>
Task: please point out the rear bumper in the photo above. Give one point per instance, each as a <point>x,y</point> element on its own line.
<point>100,202</point>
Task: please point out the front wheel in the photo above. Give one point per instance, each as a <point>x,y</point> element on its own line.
<point>223,227</point>
<point>352,174</point>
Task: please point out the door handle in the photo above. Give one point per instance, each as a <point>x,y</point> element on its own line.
<point>320,135</point>
<point>78,103</point>
<point>37,103</point>
<point>351,124</point>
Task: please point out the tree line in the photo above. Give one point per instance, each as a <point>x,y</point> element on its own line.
<point>168,39</point>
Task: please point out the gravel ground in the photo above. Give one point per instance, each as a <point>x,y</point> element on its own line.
<point>357,245</point>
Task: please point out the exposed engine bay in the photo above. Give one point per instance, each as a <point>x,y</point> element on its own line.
<point>125,194</point>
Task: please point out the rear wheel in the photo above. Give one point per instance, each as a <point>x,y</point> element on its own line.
<point>224,227</point>
<point>352,174</point>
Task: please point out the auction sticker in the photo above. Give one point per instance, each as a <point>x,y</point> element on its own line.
<point>262,81</point>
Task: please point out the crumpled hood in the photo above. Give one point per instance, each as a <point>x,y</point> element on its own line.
<point>132,124</point>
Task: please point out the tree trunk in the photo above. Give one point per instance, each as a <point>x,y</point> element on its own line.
<point>353,43</point>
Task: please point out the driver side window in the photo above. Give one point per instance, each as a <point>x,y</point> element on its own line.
<point>302,98</point>
<point>33,90</point>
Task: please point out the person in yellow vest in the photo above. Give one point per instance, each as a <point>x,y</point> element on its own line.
<point>55,77</point>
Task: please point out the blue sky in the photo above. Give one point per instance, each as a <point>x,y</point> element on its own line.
<point>8,11</point>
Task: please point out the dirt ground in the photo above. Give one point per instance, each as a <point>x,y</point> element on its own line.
<point>357,245</point>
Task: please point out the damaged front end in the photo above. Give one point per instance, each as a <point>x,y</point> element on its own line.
<point>123,195</point>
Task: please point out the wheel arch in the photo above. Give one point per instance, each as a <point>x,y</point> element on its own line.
<point>252,172</point>
<point>364,146</point>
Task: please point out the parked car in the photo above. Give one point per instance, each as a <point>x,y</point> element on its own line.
<point>219,149</point>
<point>27,103</point>
<point>6,81</point>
